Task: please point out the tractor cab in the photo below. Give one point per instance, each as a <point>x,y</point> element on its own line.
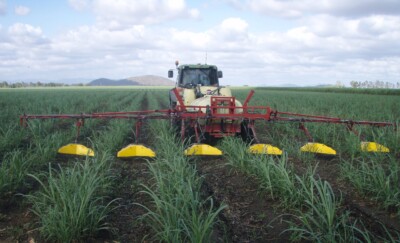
<point>195,81</point>
<point>190,76</point>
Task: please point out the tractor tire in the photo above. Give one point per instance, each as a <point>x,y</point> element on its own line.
<point>246,133</point>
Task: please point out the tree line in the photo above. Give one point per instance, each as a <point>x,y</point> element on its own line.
<point>5,84</point>
<point>374,85</point>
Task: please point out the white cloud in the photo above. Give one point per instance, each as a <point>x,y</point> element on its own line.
<point>79,4</point>
<point>26,34</point>
<point>367,37</point>
<point>369,26</point>
<point>319,48</point>
<point>194,13</point>
<point>230,35</point>
<point>22,46</point>
<point>301,8</point>
<point>91,39</point>
<point>24,29</point>
<point>119,14</point>
<point>234,25</point>
<point>22,10</point>
<point>126,12</point>
<point>187,40</point>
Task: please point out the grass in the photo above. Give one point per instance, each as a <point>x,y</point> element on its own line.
<point>72,203</point>
<point>13,171</point>
<point>11,136</point>
<point>375,179</point>
<point>323,220</point>
<point>339,90</point>
<point>179,212</point>
<point>17,164</point>
<point>28,151</point>
<point>315,207</point>
<point>67,211</point>
<point>274,174</point>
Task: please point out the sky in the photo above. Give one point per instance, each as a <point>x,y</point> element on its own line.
<point>254,42</point>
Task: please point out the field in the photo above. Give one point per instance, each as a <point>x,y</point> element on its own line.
<point>237,197</point>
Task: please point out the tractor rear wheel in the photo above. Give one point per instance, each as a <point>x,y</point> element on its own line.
<point>246,133</point>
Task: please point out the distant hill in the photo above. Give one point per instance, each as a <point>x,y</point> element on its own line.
<point>152,80</point>
<point>110,82</point>
<point>325,86</point>
<point>288,85</point>
<point>146,80</point>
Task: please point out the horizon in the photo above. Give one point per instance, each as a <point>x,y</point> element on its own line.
<point>338,84</point>
<point>261,42</point>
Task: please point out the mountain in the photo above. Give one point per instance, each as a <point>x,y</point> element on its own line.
<point>146,80</point>
<point>152,80</point>
<point>324,85</point>
<point>110,82</point>
<point>288,85</point>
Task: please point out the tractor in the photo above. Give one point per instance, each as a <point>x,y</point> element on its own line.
<point>198,89</point>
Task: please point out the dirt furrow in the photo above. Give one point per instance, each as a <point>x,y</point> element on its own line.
<point>368,211</point>
<point>250,216</point>
<point>361,208</point>
<point>130,175</point>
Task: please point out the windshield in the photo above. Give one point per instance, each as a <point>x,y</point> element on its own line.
<point>204,77</point>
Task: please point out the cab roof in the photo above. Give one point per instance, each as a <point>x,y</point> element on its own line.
<point>196,66</point>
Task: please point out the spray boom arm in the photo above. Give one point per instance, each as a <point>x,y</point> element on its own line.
<point>219,110</point>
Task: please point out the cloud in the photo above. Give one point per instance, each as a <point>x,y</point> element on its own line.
<point>319,48</point>
<point>301,8</point>
<point>22,10</point>
<point>366,37</point>
<point>234,26</point>
<point>20,29</point>
<point>119,14</point>
<point>22,46</point>
<point>25,35</point>
<point>230,35</point>
<point>340,48</point>
<point>79,4</point>
<point>94,40</point>
<point>233,33</point>
<point>3,7</point>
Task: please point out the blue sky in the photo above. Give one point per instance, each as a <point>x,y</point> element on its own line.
<point>260,42</point>
<point>52,16</point>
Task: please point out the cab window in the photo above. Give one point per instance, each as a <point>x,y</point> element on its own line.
<point>204,77</point>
